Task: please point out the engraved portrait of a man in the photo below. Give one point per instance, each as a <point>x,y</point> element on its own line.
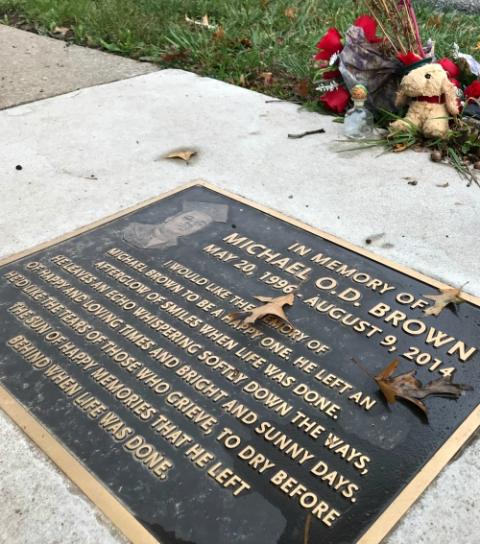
<point>194,217</point>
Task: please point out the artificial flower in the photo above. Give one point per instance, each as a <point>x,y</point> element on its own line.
<point>472,92</point>
<point>369,26</point>
<point>408,58</point>
<point>450,67</point>
<point>332,74</point>
<point>330,44</point>
<point>336,100</point>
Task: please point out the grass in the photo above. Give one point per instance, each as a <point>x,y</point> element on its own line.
<point>258,37</point>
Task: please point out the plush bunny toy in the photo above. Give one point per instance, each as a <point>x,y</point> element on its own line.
<point>432,98</point>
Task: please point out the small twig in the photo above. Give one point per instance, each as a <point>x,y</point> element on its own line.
<point>307,133</point>
<point>280,101</point>
<point>362,368</point>
<point>306,531</point>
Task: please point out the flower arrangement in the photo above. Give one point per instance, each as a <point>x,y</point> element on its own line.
<point>376,51</point>
<point>329,48</point>
<point>399,43</point>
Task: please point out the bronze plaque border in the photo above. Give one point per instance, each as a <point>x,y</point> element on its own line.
<point>116,511</point>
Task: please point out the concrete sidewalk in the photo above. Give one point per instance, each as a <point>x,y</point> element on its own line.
<point>90,153</point>
<point>33,67</point>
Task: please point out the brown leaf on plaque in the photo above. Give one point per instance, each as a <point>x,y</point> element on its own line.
<point>291,13</point>
<point>407,387</point>
<point>450,295</point>
<point>184,155</point>
<point>271,306</point>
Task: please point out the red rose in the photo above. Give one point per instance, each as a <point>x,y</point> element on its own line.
<point>456,82</point>
<point>473,91</point>
<point>369,26</point>
<point>450,67</point>
<point>330,44</point>
<point>336,100</point>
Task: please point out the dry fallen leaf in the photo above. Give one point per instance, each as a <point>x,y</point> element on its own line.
<point>175,55</point>
<point>271,306</point>
<point>406,386</point>
<point>291,13</point>
<point>184,155</point>
<point>246,42</point>
<point>435,21</point>
<point>302,88</point>
<point>398,148</point>
<point>204,22</point>
<point>450,295</point>
<point>267,78</point>
<point>61,31</point>
<point>219,34</point>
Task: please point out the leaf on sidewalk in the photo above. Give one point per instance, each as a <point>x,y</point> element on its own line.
<point>184,155</point>
<point>271,306</point>
<point>449,295</point>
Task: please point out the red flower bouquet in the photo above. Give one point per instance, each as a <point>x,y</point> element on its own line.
<point>336,100</point>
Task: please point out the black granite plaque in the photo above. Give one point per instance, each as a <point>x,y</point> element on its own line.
<point>121,357</point>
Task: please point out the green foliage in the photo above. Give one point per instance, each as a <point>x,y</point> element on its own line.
<point>258,35</point>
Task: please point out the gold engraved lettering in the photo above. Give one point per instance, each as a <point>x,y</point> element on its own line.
<point>306,498</point>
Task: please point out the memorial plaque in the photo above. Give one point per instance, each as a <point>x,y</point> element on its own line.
<point>129,354</point>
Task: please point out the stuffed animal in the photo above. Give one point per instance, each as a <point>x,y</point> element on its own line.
<point>432,98</point>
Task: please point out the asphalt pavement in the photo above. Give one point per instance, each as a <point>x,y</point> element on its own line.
<point>471,6</point>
